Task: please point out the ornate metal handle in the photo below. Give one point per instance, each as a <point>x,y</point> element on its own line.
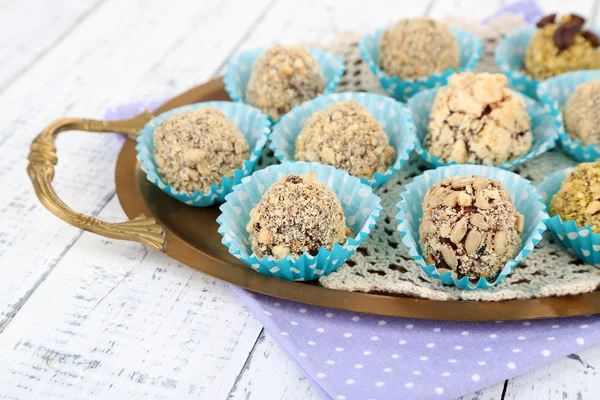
<point>42,160</point>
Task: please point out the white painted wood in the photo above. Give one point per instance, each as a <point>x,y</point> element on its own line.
<point>116,320</point>
<point>493,392</point>
<point>573,377</point>
<point>268,360</point>
<point>100,62</point>
<point>472,9</point>
<point>28,28</point>
<point>585,8</point>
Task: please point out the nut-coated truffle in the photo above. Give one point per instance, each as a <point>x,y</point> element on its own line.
<point>346,136</point>
<point>196,149</point>
<point>419,47</point>
<point>581,113</point>
<point>477,119</point>
<point>579,197</point>
<point>283,77</point>
<point>297,214</point>
<point>470,227</point>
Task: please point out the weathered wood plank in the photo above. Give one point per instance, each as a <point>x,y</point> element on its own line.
<point>116,320</point>
<point>574,377</point>
<point>28,28</point>
<point>101,62</point>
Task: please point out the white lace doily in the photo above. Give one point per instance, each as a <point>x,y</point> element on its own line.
<point>382,262</point>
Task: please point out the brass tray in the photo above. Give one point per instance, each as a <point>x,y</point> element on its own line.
<point>190,235</point>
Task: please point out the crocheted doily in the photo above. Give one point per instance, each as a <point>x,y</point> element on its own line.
<point>382,262</point>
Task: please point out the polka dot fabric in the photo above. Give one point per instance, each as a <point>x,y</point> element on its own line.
<point>357,356</point>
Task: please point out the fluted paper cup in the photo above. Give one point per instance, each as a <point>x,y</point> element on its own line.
<point>361,208</point>
<point>392,116</point>
<point>253,124</point>
<point>526,199</point>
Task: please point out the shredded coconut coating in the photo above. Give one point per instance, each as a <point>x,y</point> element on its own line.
<point>282,78</point>
<point>297,214</point>
<point>543,59</point>
<point>470,227</point>
<point>196,149</point>
<point>346,136</point>
<point>418,47</point>
<point>477,119</point>
<point>579,197</point>
<point>581,113</point>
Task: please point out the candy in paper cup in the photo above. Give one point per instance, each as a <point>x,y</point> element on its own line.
<point>253,124</point>
<point>525,197</point>
<point>470,48</point>
<point>239,69</point>
<point>393,117</point>
<point>510,55</point>
<point>584,243</point>
<point>361,208</point>
<point>544,126</point>
<point>554,93</point>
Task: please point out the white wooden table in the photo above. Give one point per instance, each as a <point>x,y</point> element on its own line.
<point>86,317</point>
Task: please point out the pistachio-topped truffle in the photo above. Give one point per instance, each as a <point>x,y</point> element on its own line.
<point>297,214</point>
<point>348,137</point>
<point>470,226</point>
<point>579,197</point>
<point>559,47</point>
<point>283,77</point>
<point>196,149</point>
<point>419,47</point>
<point>477,119</point>
<point>581,113</point>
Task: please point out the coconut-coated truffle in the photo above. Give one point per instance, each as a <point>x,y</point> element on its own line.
<point>196,149</point>
<point>346,136</point>
<point>283,77</point>
<point>581,113</point>
<point>559,47</point>
<point>477,119</point>
<point>470,227</point>
<point>297,214</point>
<point>419,47</point>
<point>579,197</point>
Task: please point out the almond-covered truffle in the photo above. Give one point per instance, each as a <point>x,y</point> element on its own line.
<point>470,227</point>
<point>418,47</point>
<point>579,197</point>
<point>348,137</point>
<point>581,113</point>
<point>559,47</point>
<point>196,149</point>
<point>297,214</point>
<point>477,119</point>
<point>282,78</point>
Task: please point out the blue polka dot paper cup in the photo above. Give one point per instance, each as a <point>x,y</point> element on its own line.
<point>393,117</point>
<point>582,241</point>
<point>526,199</point>
<point>544,126</point>
<point>239,69</point>
<point>554,93</point>
<point>253,124</point>
<point>361,208</point>
<point>470,47</point>
<point>510,55</point>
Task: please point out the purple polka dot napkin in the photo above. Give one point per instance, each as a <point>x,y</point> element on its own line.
<point>356,356</point>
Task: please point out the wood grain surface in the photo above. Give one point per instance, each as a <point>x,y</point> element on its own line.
<point>82,316</point>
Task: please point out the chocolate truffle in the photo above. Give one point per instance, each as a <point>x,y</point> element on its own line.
<point>282,78</point>
<point>418,47</point>
<point>196,149</point>
<point>470,226</point>
<point>297,214</point>
<point>581,113</point>
<point>477,119</point>
<point>346,136</point>
<point>579,197</point>
<point>559,47</point>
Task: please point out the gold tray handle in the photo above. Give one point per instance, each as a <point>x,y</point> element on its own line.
<point>42,160</point>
